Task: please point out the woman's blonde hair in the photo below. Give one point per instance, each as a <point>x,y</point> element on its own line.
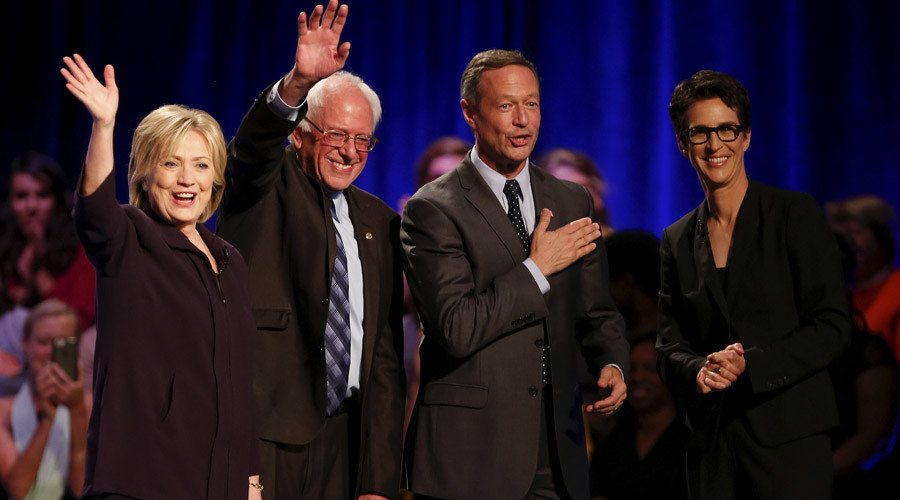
<point>158,134</point>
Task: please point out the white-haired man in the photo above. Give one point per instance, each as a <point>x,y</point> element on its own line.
<point>325,277</point>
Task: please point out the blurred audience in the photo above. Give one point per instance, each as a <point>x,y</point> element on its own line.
<point>43,428</point>
<point>12,356</point>
<point>867,388</point>
<point>40,256</point>
<point>643,457</point>
<point>869,222</point>
<point>440,157</point>
<point>634,278</point>
<point>581,169</point>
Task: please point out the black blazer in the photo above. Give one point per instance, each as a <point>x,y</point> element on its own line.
<point>172,374</point>
<point>475,428</point>
<point>279,218</point>
<point>784,300</point>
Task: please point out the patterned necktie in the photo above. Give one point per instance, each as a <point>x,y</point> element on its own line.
<point>513,193</point>
<point>337,328</point>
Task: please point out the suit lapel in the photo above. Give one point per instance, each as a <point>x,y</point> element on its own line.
<point>744,239</point>
<point>543,198</point>
<point>703,259</point>
<point>368,242</point>
<point>480,196</point>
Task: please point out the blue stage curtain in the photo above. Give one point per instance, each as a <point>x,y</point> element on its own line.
<point>824,79</point>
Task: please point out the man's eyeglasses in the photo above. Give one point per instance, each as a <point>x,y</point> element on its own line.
<point>725,133</point>
<point>337,138</point>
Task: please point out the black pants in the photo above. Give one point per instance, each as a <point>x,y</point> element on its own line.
<point>736,467</point>
<point>325,468</point>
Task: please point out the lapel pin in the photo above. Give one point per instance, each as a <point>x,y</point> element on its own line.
<point>369,236</point>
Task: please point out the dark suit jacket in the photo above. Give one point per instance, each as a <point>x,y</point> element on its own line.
<point>279,218</point>
<point>785,302</point>
<point>172,373</point>
<point>474,432</point>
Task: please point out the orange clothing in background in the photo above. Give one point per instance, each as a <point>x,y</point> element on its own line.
<point>880,305</point>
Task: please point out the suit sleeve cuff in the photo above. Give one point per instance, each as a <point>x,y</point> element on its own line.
<point>538,276</point>
<point>617,367</point>
<point>281,108</point>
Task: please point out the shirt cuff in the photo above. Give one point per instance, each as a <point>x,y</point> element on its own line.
<point>281,108</point>
<point>617,368</point>
<point>538,276</point>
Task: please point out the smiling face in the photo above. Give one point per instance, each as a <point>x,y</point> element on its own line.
<point>31,202</point>
<point>347,110</point>
<point>507,119</point>
<point>646,392</point>
<point>718,164</point>
<point>179,186</point>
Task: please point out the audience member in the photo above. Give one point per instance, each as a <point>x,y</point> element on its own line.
<point>40,256</point>
<point>43,428</point>
<point>869,222</point>
<point>579,168</point>
<point>12,356</point>
<point>867,387</point>
<point>634,278</point>
<point>643,457</point>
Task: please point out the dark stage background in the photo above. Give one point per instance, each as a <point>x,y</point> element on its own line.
<point>824,80</point>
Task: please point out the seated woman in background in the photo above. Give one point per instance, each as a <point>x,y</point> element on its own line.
<point>868,222</point>
<point>40,257</point>
<point>174,348</point>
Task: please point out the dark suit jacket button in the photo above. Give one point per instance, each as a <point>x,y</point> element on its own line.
<point>325,301</point>
<point>532,390</point>
<point>539,343</point>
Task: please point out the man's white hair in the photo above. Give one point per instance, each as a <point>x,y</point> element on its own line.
<point>338,82</point>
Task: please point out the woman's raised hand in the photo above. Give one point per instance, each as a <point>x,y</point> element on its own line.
<point>102,101</point>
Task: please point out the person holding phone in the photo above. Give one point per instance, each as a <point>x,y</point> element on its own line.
<point>43,428</point>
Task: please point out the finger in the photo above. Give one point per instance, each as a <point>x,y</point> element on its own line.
<point>589,233</point>
<point>544,221</point>
<point>301,24</point>
<point>576,225</point>
<point>71,83</point>
<point>737,348</point>
<point>315,19</point>
<point>343,52</point>
<point>83,66</point>
<point>341,19</point>
<point>109,77</point>
<point>330,12</point>
<point>586,249</point>
<point>74,70</point>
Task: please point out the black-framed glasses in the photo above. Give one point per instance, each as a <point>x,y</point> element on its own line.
<point>337,138</point>
<point>725,133</point>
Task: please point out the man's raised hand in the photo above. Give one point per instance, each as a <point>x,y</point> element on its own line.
<point>318,54</point>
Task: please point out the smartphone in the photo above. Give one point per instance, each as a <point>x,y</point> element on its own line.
<point>65,354</point>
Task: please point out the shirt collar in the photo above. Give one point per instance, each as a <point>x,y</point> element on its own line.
<point>496,181</point>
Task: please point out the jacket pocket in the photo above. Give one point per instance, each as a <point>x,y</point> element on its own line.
<point>271,319</point>
<point>468,396</point>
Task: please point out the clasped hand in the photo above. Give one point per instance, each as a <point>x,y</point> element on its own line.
<point>721,369</point>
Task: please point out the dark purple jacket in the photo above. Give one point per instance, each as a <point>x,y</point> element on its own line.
<point>173,395</point>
